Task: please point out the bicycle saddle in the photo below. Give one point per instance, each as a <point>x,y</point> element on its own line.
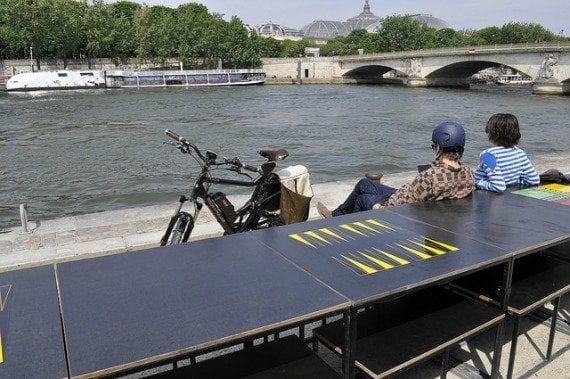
<point>274,155</point>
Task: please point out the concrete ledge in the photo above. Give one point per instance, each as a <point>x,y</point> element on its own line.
<point>133,229</point>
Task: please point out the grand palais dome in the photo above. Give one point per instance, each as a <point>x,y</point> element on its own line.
<point>325,30</point>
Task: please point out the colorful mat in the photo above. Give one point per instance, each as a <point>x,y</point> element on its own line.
<point>558,193</point>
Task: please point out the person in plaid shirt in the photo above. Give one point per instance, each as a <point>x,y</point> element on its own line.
<point>445,178</point>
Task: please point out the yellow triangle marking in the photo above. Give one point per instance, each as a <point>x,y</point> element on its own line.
<point>332,234</point>
<point>376,222</point>
<point>416,252</point>
<point>395,258</point>
<point>444,245</point>
<point>432,249</point>
<point>364,226</point>
<point>351,229</point>
<point>299,238</point>
<point>4,292</point>
<point>363,267</point>
<point>316,236</point>
<point>379,262</point>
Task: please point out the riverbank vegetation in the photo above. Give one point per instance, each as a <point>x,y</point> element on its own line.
<point>64,29</point>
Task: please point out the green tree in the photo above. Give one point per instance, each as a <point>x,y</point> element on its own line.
<point>67,19</point>
<point>236,50</point>
<point>401,33</point>
<point>447,38</point>
<point>490,35</point>
<point>121,36</point>
<point>292,49</point>
<point>155,34</point>
<point>265,47</point>
<point>515,32</point>
<point>98,27</point>
<point>192,22</point>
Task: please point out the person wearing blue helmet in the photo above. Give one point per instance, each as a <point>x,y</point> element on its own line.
<point>444,178</point>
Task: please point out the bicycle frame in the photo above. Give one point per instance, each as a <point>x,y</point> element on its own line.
<point>260,210</point>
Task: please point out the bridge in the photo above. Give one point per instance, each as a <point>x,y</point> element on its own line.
<point>548,64</point>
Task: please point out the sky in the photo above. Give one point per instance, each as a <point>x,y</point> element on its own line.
<point>460,14</point>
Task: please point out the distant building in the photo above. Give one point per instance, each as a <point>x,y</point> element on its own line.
<point>278,32</point>
<point>324,30</point>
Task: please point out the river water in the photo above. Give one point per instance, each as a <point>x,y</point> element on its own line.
<point>71,152</point>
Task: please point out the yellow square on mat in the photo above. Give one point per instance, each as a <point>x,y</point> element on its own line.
<point>557,187</point>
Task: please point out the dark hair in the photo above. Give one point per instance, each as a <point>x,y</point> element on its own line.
<point>503,129</point>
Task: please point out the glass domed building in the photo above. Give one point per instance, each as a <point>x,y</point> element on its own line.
<point>323,30</point>
<point>432,22</point>
<point>278,32</point>
<point>363,19</point>
<point>429,20</point>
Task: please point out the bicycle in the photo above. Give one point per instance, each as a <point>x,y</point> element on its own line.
<point>261,210</point>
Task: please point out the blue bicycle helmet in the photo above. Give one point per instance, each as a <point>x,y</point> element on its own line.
<point>448,134</point>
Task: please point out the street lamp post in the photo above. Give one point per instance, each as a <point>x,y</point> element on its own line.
<point>32,58</point>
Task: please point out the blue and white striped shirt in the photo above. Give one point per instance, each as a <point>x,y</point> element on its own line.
<point>502,166</point>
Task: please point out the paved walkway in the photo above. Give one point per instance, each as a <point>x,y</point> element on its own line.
<point>119,231</point>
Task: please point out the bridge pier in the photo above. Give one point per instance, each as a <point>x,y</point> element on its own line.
<point>415,82</point>
<point>550,87</point>
<point>437,82</point>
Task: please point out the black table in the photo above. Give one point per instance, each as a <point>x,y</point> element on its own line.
<point>376,256</point>
<point>31,340</point>
<point>516,223</point>
<point>372,255</point>
<point>135,309</point>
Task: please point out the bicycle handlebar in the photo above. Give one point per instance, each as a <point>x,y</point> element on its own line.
<point>173,135</point>
<point>234,162</point>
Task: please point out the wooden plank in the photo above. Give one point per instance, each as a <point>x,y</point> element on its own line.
<point>390,341</point>
<point>537,279</point>
<point>544,285</point>
<point>287,357</point>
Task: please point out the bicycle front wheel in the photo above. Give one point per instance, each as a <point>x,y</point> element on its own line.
<point>182,228</point>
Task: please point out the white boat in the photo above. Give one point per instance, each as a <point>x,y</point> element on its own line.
<point>513,80</point>
<point>184,78</point>
<point>56,80</point>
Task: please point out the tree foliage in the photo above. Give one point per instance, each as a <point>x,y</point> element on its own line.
<point>67,29</point>
<point>401,33</point>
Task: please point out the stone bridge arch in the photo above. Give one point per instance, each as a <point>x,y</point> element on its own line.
<point>373,74</point>
<point>547,64</point>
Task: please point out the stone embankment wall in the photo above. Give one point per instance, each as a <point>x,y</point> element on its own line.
<point>11,67</point>
<point>278,70</point>
<point>303,70</point>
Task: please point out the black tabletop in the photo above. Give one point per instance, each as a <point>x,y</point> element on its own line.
<point>31,340</point>
<point>511,221</point>
<point>371,255</point>
<point>134,308</point>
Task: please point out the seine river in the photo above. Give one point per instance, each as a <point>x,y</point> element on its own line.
<point>70,153</point>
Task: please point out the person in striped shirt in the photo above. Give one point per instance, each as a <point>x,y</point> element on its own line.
<point>504,164</point>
